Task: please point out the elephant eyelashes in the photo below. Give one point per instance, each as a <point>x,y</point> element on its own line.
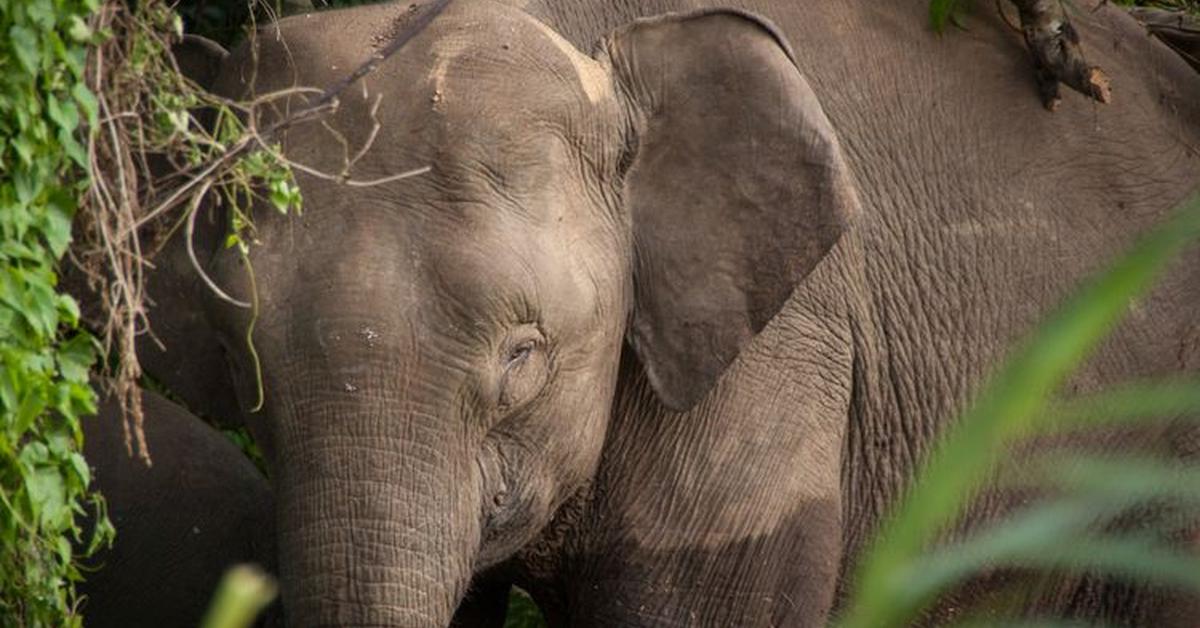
<point>524,363</point>
<point>518,354</point>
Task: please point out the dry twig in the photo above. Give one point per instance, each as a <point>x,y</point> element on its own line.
<point>142,174</point>
<point>1057,55</point>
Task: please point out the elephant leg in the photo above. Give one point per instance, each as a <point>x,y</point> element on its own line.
<point>730,514</point>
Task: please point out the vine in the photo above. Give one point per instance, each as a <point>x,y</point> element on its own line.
<point>90,98</point>
<point>44,356</point>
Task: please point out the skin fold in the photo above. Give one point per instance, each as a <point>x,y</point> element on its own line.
<point>687,293</point>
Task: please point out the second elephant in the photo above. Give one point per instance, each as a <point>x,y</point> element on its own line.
<point>200,509</point>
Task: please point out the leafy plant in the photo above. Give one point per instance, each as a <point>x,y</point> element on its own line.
<point>44,356</point>
<point>522,611</point>
<point>88,97</point>
<point>243,593</point>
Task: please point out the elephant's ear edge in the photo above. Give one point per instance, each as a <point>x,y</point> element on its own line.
<point>199,59</point>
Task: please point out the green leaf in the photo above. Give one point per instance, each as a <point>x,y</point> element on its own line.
<point>79,465</point>
<point>64,113</point>
<point>103,532</point>
<point>56,226</point>
<point>41,13</point>
<point>68,310</point>
<point>941,12</point>
<point>40,309</point>
<point>1130,403</point>
<point>86,101</point>
<point>1040,529</point>
<point>242,594</point>
<point>1129,480</point>
<point>63,546</point>
<point>75,357</point>
<point>522,611</point>
<point>26,46</point>
<point>33,455</point>
<point>281,196</point>
<point>25,147</point>
<point>73,149</point>
<point>15,250</point>
<point>48,495</point>
<point>29,408</point>
<point>79,30</point>
<point>27,187</point>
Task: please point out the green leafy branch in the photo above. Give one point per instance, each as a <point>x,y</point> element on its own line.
<point>44,356</point>
<point>90,98</point>
<point>154,163</point>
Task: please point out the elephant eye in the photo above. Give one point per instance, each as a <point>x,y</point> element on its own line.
<point>525,361</point>
<point>518,353</point>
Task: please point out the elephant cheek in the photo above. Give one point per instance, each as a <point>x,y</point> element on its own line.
<point>512,504</point>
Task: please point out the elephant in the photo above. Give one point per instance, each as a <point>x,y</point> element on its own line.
<point>688,290</point>
<point>201,508</point>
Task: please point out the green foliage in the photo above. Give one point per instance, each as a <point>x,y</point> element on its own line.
<point>44,357</point>
<point>150,117</point>
<point>522,611</point>
<point>899,576</point>
<point>62,149</point>
<point>942,12</point>
<point>242,594</point>
<point>245,442</point>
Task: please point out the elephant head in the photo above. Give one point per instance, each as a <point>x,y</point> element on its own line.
<point>438,354</point>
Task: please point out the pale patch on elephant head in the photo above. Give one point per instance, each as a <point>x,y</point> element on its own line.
<point>594,78</point>
<point>446,50</point>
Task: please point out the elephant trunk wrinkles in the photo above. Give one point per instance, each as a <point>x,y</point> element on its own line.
<point>378,521</point>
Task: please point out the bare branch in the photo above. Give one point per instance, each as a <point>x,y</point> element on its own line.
<point>142,171</point>
<point>189,234</point>
<point>388,179</point>
<point>1057,55</point>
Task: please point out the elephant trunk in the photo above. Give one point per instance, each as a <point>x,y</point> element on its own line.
<point>378,518</point>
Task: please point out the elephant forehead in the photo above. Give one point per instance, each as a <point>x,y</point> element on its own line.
<point>514,268</point>
<point>481,40</point>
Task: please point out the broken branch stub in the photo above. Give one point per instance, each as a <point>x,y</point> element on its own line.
<point>1057,55</point>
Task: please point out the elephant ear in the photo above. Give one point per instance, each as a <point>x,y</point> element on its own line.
<point>183,352</point>
<point>737,188</point>
<point>199,59</point>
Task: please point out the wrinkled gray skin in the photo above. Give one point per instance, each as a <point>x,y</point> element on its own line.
<point>200,509</point>
<point>668,325</point>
